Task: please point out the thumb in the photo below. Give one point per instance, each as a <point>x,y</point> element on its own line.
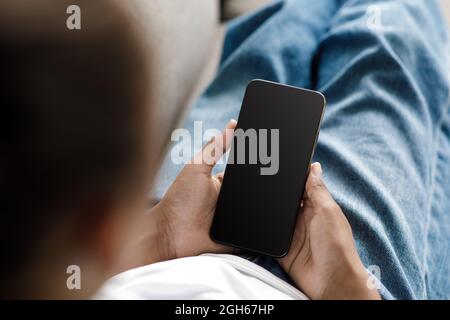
<point>316,191</point>
<point>215,148</point>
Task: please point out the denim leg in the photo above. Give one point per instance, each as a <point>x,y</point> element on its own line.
<point>387,91</point>
<point>438,247</point>
<point>383,137</point>
<point>276,43</point>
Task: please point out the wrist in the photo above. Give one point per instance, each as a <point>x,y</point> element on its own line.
<point>350,282</point>
<point>164,243</point>
<point>148,243</point>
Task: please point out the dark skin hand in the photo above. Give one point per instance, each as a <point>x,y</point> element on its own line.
<point>178,226</point>
<point>322,260</point>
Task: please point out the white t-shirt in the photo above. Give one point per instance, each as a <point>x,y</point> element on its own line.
<point>209,276</point>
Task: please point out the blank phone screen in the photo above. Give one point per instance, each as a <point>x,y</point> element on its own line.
<point>267,168</point>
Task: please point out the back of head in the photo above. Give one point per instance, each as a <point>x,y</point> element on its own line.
<point>73,120</point>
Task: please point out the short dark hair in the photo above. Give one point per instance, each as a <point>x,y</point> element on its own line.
<point>72,113</point>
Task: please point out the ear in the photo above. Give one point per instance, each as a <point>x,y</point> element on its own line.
<point>88,239</point>
<point>112,237</point>
<point>103,235</point>
<point>99,230</point>
<point>108,235</point>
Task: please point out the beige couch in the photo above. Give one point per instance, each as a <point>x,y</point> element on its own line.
<point>184,40</point>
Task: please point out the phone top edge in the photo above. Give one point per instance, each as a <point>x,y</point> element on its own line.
<point>256,80</point>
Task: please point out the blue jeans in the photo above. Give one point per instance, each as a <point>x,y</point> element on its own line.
<point>385,139</point>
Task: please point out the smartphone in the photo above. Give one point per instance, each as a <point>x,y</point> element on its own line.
<point>267,167</point>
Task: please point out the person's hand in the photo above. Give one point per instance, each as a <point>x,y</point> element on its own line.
<point>323,260</point>
<point>187,209</point>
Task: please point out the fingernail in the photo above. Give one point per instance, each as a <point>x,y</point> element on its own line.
<point>316,169</point>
